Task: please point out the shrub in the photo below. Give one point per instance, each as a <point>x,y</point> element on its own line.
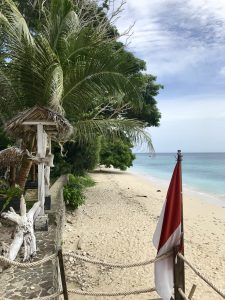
<point>116,153</point>
<point>8,193</point>
<point>73,192</point>
<point>82,157</point>
<point>73,197</point>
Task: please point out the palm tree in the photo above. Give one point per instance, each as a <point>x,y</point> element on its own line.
<point>68,66</point>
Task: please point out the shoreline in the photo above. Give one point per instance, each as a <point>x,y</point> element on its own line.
<point>190,191</point>
<point>117,224</point>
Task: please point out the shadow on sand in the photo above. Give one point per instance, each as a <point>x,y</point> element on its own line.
<point>109,172</point>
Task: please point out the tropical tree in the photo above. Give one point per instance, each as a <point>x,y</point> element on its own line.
<point>117,154</point>
<point>69,65</point>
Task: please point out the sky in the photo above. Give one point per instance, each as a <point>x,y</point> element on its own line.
<point>183,44</point>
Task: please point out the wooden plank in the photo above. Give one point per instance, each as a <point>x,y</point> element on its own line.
<point>192,291</point>
<point>179,280</point>
<point>41,152</point>
<point>62,274</point>
<point>39,122</point>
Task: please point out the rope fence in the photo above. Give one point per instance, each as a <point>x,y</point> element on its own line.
<point>115,265</point>
<point>107,264</point>
<point>41,298</point>
<point>126,293</point>
<point>222,294</point>
<point>27,265</point>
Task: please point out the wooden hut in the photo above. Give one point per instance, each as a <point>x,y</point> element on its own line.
<point>42,125</point>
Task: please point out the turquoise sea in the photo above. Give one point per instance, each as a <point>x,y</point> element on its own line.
<point>202,173</point>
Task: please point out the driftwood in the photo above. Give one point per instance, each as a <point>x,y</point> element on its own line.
<point>24,231</point>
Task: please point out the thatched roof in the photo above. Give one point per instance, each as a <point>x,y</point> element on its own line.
<point>60,129</point>
<point>10,157</point>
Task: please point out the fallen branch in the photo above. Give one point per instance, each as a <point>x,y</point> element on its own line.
<point>24,231</point>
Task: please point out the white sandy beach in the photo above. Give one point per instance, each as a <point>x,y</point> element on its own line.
<point>116,225</point>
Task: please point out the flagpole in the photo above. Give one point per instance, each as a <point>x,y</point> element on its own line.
<point>179,160</point>
<point>179,278</point>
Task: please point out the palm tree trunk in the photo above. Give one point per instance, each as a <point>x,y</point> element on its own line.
<point>24,171</point>
<point>26,165</point>
<point>12,176</point>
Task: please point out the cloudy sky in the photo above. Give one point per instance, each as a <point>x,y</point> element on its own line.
<point>183,43</point>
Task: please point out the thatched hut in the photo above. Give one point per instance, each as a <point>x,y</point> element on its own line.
<point>25,123</point>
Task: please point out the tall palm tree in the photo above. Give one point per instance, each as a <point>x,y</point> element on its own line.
<point>69,66</point>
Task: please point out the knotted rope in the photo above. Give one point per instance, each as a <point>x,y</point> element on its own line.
<point>222,294</point>
<point>126,293</point>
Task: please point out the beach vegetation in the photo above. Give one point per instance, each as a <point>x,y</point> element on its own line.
<point>7,193</point>
<point>117,154</point>
<point>65,55</point>
<point>83,157</point>
<point>73,192</point>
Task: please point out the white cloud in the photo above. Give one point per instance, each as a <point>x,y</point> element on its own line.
<point>173,35</point>
<point>183,43</point>
<point>222,71</point>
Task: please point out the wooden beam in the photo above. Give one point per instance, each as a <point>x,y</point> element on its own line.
<point>179,281</point>
<point>192,291</point>
<point>63,276</point>
<point>41,152</point>
<point>39,122</point>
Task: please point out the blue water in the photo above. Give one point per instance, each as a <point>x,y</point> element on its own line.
<point>201,172</point>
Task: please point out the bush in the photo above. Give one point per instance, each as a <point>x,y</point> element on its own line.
<point>77,159</point>
<point>61,167</point>
<point>73,197</point>
<point>73,192</point>
<point>82,181</point>
<point>82,157</point>
<point>116,153</point>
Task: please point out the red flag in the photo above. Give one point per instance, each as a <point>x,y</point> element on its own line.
<point>168,235</point>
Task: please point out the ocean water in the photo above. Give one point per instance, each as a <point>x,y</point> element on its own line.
<point>202,173</point>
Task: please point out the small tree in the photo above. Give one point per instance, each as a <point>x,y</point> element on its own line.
<point>117,153</point>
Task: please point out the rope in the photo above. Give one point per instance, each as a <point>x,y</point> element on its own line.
<point>126,293</point>
<point>222,294</point>
<point>27,265</point>
<point>41,298</point>
<point>114,265</point>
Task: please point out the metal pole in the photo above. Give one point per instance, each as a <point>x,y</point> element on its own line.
<point>179,278</point>
<point>62,273</point>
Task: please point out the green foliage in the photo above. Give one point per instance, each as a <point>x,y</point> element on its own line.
<point>4,139</point>
<point>117,154</point>
<point>81,181</point>
<point>8,193</point>
<point>61,167</point>
<point>73,197</point>
<point>73,192</point>
<point>64,57</point>
<point>83,157</point>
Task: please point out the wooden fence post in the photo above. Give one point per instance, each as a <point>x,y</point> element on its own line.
<point>179,278</point>
<point>62,273</point>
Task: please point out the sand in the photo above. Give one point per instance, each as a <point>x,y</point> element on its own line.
<point>117,223</point>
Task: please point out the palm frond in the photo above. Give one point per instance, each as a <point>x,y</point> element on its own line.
<point>14,22</point>
<point>87,130</point>
<point>90,77</point>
